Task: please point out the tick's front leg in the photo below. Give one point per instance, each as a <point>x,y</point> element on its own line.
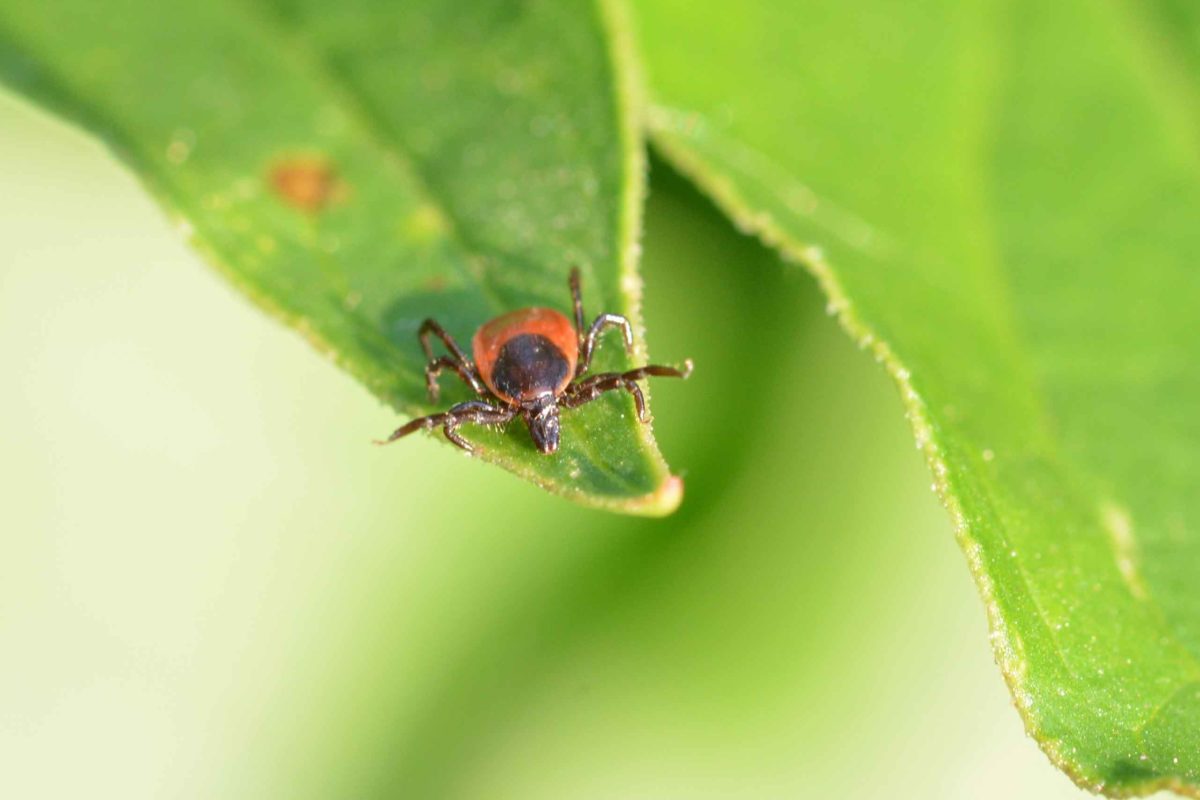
<point>589,343</point>
<point>477,412</point>
<point>474,411</point>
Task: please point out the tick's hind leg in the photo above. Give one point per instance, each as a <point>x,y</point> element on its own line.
<point>473,411</point>
<point>659,371</point>
<point>589,389</point>
<point>459,363</point>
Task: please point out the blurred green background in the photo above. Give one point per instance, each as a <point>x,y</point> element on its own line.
<point>213,586</point>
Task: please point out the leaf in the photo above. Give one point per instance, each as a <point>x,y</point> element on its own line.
<point>1001,204</point>
<point>355,170</point>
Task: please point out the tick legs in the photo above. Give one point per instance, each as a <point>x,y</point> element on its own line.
<point>577,302</point>
<point>587,390</point>
<point>589,342</point>
<point>430,326</point>
<point>435,367</point>
<point>473,411</point>
<point>459,363</point>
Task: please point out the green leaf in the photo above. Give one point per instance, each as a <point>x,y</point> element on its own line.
<point>359,168</point>
<point>1001,203</point>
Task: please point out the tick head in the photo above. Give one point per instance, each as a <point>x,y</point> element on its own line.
<point>543,424</point>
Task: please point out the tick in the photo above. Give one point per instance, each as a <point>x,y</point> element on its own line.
<point>529,363</point>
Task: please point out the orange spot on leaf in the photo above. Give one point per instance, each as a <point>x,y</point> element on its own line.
<point>307,183</point>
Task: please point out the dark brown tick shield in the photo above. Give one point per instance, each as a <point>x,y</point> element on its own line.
<point>526,354</point>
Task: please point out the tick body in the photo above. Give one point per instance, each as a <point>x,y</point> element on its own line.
<point>529,363</point>
<point>525,354</point>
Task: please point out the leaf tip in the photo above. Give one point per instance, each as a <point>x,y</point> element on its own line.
<point>662,502</point>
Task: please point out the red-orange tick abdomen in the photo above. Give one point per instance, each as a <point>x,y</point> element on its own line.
<point>526,354</point>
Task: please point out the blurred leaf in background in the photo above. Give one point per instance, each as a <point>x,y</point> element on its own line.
<point>1006,197</point>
